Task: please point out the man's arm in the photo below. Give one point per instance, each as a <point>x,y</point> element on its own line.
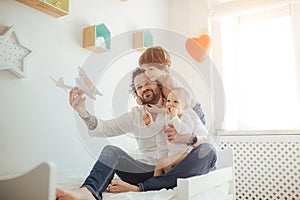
<point>77,101</point>
<point>96,126</point>
<point>90,121</point>
<point>173,136</point>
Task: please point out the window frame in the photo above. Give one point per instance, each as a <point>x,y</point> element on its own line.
<point>239,8</point>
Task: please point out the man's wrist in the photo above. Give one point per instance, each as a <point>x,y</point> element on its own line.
<point>91,121</point>
<point>193,140</point>
<point>201,140</point>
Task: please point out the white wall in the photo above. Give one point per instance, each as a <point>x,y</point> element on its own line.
<point>190,17</point>
<point>36,121</point>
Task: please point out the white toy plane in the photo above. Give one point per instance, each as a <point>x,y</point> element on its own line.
<point>83,83</point>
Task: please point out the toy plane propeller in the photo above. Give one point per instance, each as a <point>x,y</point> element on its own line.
<point>83,83</point>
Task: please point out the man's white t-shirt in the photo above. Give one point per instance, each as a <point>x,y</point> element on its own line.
<point>151,140</point>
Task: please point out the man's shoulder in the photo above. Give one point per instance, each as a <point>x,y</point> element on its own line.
<point>133,114</point>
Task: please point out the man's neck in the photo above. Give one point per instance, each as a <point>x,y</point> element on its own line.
<point>160,103</point>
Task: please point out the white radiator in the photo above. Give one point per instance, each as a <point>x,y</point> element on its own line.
<point>266,167</point>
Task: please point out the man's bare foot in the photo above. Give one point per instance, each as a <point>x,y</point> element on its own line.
<point>117,186</point>
<point>78,194</point>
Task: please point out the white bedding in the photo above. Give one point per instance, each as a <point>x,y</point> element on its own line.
<point>70,183</point>
<point>216,185</point>
<point>216,193</point>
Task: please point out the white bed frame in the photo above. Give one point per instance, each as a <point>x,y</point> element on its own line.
<point>201,187</point>
<point>40,183</point>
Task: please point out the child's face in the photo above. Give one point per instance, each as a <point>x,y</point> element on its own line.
<point>173,102</point>
<point>153,72</point>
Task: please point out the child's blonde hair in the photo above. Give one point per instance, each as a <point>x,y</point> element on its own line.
<point>155,55</point>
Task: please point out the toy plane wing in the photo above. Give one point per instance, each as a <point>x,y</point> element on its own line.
<point>60,83</point>
<point>83,83</point>
<point>86,84</point>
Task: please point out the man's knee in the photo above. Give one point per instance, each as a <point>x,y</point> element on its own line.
<point>109,152</point>
<point>111,149</point>
<point>206,150</point>
<point>206,153</point>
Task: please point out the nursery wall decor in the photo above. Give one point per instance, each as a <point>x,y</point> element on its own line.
<point>198,47</point>
<point>55,8</point>
<point>97,38</point>
<point>13,54</point>
<point>142,39</point>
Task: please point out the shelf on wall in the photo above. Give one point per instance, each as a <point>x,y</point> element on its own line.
<point>55,8</point>
<point>97,38</point>
<point>142,40</point>
<point>13,54</point>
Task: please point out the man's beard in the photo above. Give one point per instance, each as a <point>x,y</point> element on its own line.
<point>154,99</point>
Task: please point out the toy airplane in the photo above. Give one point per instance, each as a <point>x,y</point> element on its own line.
<point>83,83</point>
<point>86,84</point>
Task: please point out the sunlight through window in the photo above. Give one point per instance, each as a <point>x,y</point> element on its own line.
<point>259,72</point>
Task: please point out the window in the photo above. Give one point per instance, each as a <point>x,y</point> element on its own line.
<point>257,55</point>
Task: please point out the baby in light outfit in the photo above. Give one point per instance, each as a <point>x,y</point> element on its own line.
<point>185,121</point>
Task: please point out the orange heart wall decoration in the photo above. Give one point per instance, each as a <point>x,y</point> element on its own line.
<point>198,48</point>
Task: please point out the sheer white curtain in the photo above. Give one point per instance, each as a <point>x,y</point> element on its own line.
<point>257,53</point>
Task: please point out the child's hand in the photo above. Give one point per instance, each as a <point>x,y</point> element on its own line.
<point>139,101</point>
<point>146,118</point>
<point>172,112</point>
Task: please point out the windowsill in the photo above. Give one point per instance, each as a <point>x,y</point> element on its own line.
<point>257,132</point>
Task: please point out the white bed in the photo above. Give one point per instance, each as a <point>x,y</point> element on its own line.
<point>40,184</point>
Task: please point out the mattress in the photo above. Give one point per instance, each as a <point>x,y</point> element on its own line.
<point>217,193</point>
<point>70,183</point>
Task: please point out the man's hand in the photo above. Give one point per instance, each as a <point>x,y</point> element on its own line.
<point>173,136</point>
<point>77,101</point>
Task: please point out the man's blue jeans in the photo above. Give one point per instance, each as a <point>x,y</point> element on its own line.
<point>114,160</point>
